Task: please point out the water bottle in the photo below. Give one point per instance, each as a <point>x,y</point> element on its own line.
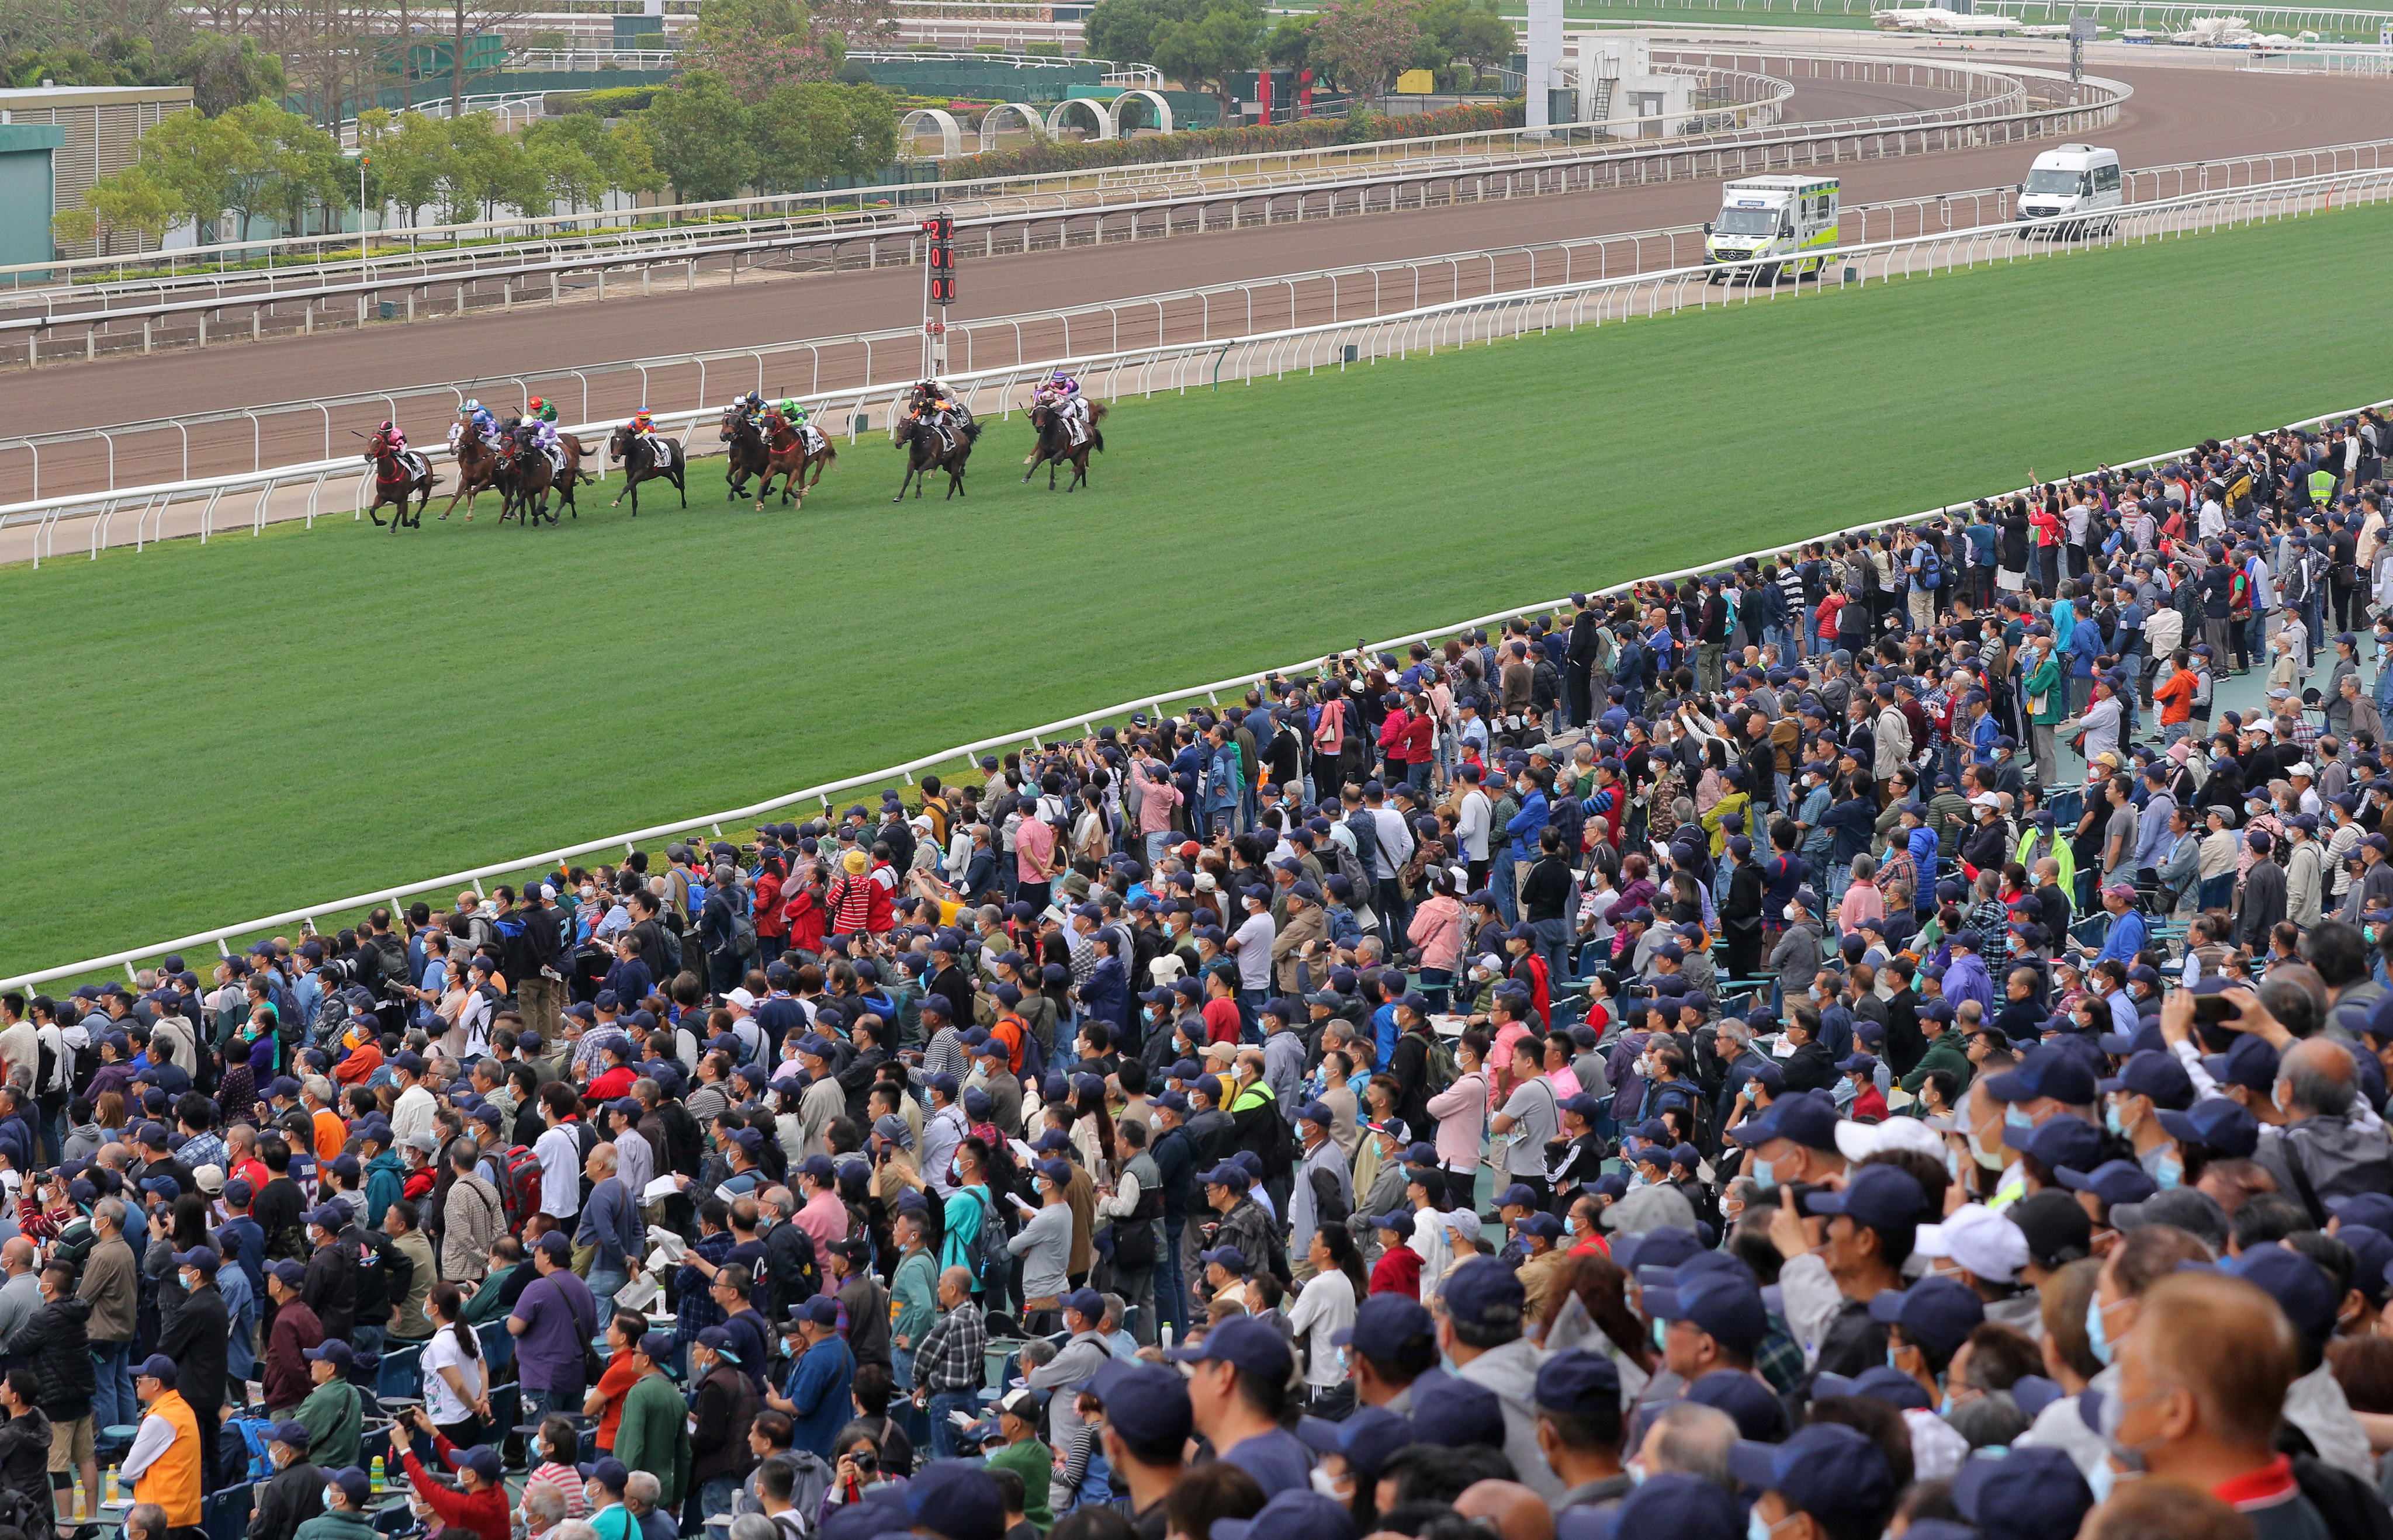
<point>375,1476</point>
<point>111,1486</point>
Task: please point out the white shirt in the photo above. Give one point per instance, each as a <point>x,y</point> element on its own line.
<point>636,1164</point>
<point>441,1402</point>
<point>413,1113</point>
<point>156,1436</point>
<point>1326,1306</point>
<point>560,1171</point>
<point>1254,939</point>
<point>1470,827</point>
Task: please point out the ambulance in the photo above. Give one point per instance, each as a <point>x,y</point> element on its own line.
<point>2074,179</point>
<point>1772,217</point>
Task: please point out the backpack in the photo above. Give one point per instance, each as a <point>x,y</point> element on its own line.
<point>1350,866</point>
<point>520,1186</point>
<point>989,1259</point>
<point>254,1434</point>
<point>672,948</point>
<point>1931,573</point>
<point>1444,1067</point>
<point>743,936</point>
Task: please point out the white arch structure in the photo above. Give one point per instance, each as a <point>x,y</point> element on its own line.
<point>952,135</point>
<point>1098,109</point>
<point>1162,109</point>
<point>988,120</point>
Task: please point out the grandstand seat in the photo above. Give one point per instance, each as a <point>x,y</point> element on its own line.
<point>396,1375</point>
<point>498,1345</point>
<point>227,1513</point>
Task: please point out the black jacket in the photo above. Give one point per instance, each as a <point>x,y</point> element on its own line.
<point>25,1456</point>
<point>330,1289</point>
<point>1811,1067</point>
<point>196,1340</point>
<point>294,1495</point>
<point>56,1340</point>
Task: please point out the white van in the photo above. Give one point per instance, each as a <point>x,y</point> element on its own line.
<point>2074,179</point>
<point>1762,216</point>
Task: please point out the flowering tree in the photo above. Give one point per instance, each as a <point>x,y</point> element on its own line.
<point>1364,42</point>
<point>754,45</point>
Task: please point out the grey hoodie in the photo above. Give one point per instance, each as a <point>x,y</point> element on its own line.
<point>1512,1372</point>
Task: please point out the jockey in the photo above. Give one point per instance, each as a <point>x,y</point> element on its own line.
<point>642,424</point>
<point>542,407</point>
<point>473,418</point>
<point>1065,391</point>
<point>394,435</point>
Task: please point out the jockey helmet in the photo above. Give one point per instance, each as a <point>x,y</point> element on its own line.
<point>534,404</point>
<point>792,410</point>
<point>471,404</point>
<point>1061,376</point>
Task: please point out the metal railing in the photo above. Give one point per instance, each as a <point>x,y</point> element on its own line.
<point>1180,365</point>
<point>508,106</point>
<point>570,59</point>
<point>964,756</point>
<point>88,460</point>
<point>1248,172</point>
<point>1090,216</point>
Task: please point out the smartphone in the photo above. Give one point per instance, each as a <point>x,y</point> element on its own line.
<point>2215,1007</point>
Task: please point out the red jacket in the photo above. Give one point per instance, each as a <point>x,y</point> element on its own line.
<point>483,1512</point>
<point>804,920</point>
<point>1397,1272</point>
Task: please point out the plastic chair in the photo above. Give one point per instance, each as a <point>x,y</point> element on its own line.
<point>227,1513</point>
<point>498,1345</point>
<point>396,1375</point>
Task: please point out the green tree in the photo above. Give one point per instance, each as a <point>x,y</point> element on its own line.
<point>489,169</point>
<point>291,166</point>
<point>135,202</point>
<point>872,143</point>
<point>1290,45</point>
<point>703,140</point>
<point>405,154</point>
<point>1364,42</point>
<point>570,154</point>
<point>195,158</point>
<point>1123,31</point>
<point>802,136</point>
<point>1462,30</point>
<point>1206,52</point>
<point>224,73</point>
<point>630,161</point>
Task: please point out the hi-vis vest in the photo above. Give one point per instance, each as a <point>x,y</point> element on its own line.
<point>172,1481</point>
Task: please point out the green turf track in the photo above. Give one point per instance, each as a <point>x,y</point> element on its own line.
<point>201,734</point>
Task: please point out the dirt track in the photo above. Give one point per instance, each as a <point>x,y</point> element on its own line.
<point>2175,115</point>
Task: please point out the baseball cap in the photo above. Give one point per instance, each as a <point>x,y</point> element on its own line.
<point>1146,1403</point>
<point>1386,1325</point>
<point>2024,1495</point>
<point>1938,1312</point>
<point>1251,1345</point>
<point>1835,1473</point>
<point>1880,1196</point>
<point>1983,1241</point>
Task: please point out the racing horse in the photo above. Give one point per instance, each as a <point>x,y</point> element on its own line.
<point>786,455</point>
<point>477,471</point>
<point>747,455</point>
<point>398,478</point>
<point>526,475</point>
<point>926,451</point>
<point>646,458</point>
<point>1055,444</point>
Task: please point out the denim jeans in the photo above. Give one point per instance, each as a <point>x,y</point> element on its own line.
<point>917,1425</point>
<point>112,1402</point>
<point>1170,1295</point>
<point>1553,945</point>
<point>714,1495</point>
<point>943,1429</point>
<point>604,1284</point>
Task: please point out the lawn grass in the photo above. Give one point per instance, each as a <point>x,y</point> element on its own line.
<point>201,734</point>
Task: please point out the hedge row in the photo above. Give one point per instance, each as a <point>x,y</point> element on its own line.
<point>1049,155</point>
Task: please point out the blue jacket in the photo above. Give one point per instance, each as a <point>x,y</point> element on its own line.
<point>2085,646</point>
<point>1106,994</point>
<point>1525,825</point>
<point>819,1385</point>
<point>611,1222</point>
<point>2126,938</point>
<point>1855,822</point>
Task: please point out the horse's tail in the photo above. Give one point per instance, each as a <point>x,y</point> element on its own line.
<point>1096,412</point>
<point>1097,440</point>
<point>831,450</point>
<point>972,433</point>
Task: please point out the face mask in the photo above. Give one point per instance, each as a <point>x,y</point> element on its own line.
<point>1756,1527</point>
<point>2172,1171</point>
<point>2016,1118</point>
<point>2112,1120</point>
<point>1793,911</point>
<point>2098,1337</point>
<point>1765,1173</point>
<point>1636,1474</point>
<point>2277,1096</point>
<point>1951,1164</point>
<point>330,1492</point>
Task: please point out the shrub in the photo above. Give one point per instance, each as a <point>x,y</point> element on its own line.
<point>1204,143</point>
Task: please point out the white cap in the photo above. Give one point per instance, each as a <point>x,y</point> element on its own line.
<point>1986,799</point>
<point>2301,769</point>
<point>1861,1141</point>
<point>741,999</point>
<point>1983,1241</point>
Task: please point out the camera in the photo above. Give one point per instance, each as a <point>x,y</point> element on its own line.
<point>339,972</point>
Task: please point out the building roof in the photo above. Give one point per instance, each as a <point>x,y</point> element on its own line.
<point>33,98</point>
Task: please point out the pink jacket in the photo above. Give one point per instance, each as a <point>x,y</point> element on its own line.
<point>1437,930</point>
<point>1461,1113</point>
<point>1157,797</point>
